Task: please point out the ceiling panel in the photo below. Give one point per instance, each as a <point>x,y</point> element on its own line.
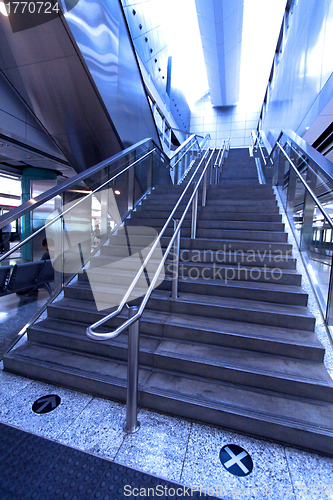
<point>220,24</point>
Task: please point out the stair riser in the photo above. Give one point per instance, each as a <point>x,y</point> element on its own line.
<point>233,314</point>
<point>72,381</point>
<point>231,245</point>
<point>187,367</point>
<point>224,246</point>
<point>207,224</point>
<point>217,290</point>
<point>154,202</point>
<point>208,259</point>
<point>276,297</point>
<point>221,208</point>
<point>185,333</point>
<point>267,429</point>
<point>225,216</point>
<point>242,377</point>
<point>241,273</point>
<point>267,236</point>
<point>235,259</point>
<point>231,419</point>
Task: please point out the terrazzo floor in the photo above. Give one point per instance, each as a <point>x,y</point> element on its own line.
<point>171,448</point>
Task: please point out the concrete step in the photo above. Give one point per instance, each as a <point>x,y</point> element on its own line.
<point>222,266</point>
<point>223,307</point>
<point>209,233</point>
<point>262,313</point>
<point>227,245</point>
<point>222,206</point>
<point>294,343</point>
<point>228,215</point>
<point>138,243</point>
<point>267,292</point>
<point>210,224</point>
<point>239,272</point>
<point>292,420</point>
<point>266,371</point>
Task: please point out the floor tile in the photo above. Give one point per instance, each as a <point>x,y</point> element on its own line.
<point>311,474</point>
<point>18,410</point>
<point>158,447</point>
<point>98,429</point>
<point>203,468</point>
<point>10,385</point>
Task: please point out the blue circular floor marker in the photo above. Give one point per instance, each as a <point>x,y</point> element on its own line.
<point>45,404</point>
<point>236,460</point>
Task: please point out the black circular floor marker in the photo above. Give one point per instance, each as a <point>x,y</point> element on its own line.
<point>45,404</point>
<point>236,460</point>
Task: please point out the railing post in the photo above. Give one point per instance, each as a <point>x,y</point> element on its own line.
<point>204,190</point>
<point>194,215</point>
<point>131,185</point>
<point>211,171</point>
<point>132,425</point>
<point>175,266</point>
<point>150,172</point>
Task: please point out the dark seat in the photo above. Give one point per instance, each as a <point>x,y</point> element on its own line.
<point>25,277</point>
<point>4,278</point>
<point>47,275</point>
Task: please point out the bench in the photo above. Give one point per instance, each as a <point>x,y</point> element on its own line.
<point>26,278</point>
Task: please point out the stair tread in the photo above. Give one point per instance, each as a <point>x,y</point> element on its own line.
<point>209,300</point>
<point>262,405</point>
<point>251,285</point>
<point>244,360</point>
<point>204,324</point>
<point>235,303</point>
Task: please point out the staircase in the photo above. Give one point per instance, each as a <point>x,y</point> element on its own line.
<point>237,349</point>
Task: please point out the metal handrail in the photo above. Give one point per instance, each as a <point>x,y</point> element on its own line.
<point>32,204</point>
<point>110,335</point>
<point>322,163</point>
<point>309,190</point>
<point>61,214</point>
<point>256,137</point>
<point>216,164</point>
<point>190,139</point>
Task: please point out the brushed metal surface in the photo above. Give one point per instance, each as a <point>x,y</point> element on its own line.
<point>101,33</point>
<point>305,69</point>
<point>48,71</point>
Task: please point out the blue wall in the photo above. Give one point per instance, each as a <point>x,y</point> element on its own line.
<point>302,84</point>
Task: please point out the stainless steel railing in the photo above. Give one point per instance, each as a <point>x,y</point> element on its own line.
<point>147,148</point>
<point>132,323</point>
<point>47,197</point>
<point>304,179</point>
<point>111,335</point>
<point>32,204</point>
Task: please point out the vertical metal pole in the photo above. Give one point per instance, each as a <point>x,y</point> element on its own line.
<point>308,213</point>
<point>194,215</point>
<point>104,211</point>
<point>131,180</point>
<point>204,190</point>
<point>175,267</point>
<point>211,171</point>
<point>132,425</point>
<point>150,172</point>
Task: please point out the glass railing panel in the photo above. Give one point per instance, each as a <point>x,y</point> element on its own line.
<point>307,195</point>
<point>64,233</point>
